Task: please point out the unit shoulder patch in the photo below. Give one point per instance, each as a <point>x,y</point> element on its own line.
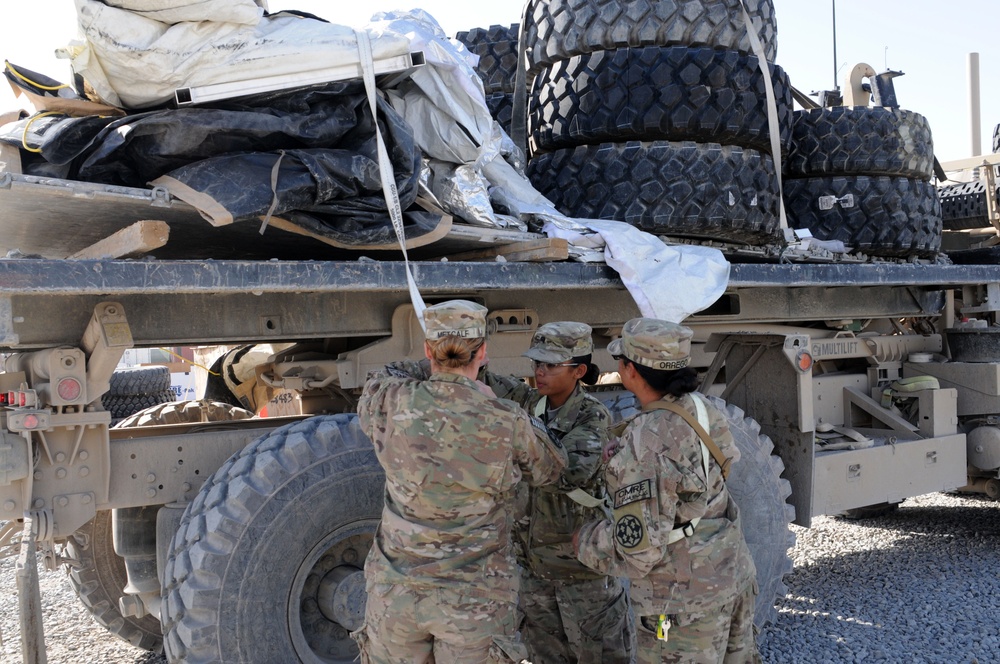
<point>633,492</point>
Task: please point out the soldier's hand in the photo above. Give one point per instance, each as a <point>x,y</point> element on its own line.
<point>610,449</point>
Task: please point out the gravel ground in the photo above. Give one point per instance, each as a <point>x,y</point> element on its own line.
<point>919,585</point>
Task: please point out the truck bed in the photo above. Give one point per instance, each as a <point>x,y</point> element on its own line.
<point>168,302</point>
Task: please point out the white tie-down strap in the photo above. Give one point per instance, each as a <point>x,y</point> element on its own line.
<point>772,109</point>
<point>687,530</point>
<point>386,173</point>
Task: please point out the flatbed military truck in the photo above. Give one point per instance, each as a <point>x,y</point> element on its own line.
<point>849,386</point>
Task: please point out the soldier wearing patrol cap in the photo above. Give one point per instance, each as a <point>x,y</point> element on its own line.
<point>441,576</point>
<point>572,613</point>
<point>674,530</point>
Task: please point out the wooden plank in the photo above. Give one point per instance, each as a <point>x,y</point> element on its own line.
<point>131,241</point>
<point>480,235</point>
<point>547,249</point>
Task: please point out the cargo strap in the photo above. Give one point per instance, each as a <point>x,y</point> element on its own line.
<point>832,437</point>
<point>906,386</point>
<point>772,109</point>
<point>578,496</point>
<point>386,173</point>
<point>708,446</point>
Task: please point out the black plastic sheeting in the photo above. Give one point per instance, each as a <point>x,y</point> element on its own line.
<point>328,178</point>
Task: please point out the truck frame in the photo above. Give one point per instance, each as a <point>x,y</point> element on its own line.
<point>204,524</point>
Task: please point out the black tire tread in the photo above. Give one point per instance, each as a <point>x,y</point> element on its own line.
<point>653,93</point>
<point>560,29</point>
<point>896,217</point>
<point>847,140</point>
<point>496,47</point>
<point>185,412</point>
<point>122,406</point>
<point>140,380</point>
<point>98,576</point>
<point>692,189</point>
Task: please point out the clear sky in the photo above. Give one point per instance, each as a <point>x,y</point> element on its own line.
<point>926,39</point>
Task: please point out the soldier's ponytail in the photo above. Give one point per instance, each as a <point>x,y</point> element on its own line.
<point>454,352</point>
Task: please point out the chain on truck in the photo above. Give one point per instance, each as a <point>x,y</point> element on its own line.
<point>851,382</point>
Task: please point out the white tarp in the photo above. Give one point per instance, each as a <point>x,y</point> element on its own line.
<point>135,61</point>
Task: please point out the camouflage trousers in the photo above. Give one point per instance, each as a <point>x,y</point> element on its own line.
<point>723,635</point>
<point>408,625</point>
<point>582,622</point>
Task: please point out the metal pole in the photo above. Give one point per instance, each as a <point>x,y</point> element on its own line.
<point>975,120</point>
<point>833,3</point>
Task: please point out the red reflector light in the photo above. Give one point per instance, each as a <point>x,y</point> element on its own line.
<point>11,399</point>
<point>22,399</point>
<point>30,421</point>
<point>69,389</point>
<point>805,361</point>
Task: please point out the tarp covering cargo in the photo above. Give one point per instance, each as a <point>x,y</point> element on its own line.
<point>136,56</point>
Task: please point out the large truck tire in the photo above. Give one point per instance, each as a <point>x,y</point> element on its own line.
<point>139,380</point>
<point>654,93</point>
<point>881,216</point>
<point>124,405</point>
<point>185,412</point>
<point>849,140</point>
<point>560,29</point>
<point>267,564</point>
<point>496,47</point>
<point>963,205</point>
<point>97,573</point>
<point>501,107</point>
<point>761,493</point>
<point>98,576</point>
<point>701,190</point>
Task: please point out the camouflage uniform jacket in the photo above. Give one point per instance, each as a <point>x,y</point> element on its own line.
<point>582,425</point>
<point>657,483</point>
<point>452,458</point>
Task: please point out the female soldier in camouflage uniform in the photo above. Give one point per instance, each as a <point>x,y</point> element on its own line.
<point>441,579</point>
<point>572,614</point>
<point>674,532</point>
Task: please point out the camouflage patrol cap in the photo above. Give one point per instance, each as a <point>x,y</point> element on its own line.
<point>455,318</point>
<point>653,343</point>
<point>560,342</point>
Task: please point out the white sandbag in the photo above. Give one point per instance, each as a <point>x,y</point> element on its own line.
<point>135,62</point>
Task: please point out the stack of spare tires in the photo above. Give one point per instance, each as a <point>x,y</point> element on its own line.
<point>862,175</point>
<point>655,113</point>
<point>963,205</point>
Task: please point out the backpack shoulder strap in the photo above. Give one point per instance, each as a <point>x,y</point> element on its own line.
<point>724,462</point>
